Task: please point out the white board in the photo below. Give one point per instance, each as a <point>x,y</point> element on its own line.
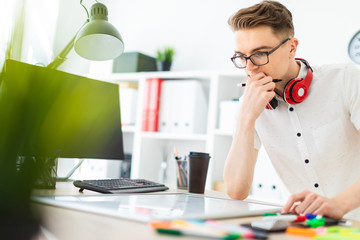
<point>147,207</point>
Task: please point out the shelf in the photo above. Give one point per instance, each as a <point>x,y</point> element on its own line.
<point>149,149</point>
<point>115,77</point>
<point>223,132</point>
<point>128,129</point>
<point>174,136</point>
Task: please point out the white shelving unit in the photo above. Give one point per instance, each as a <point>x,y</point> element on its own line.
<point>151,149</point>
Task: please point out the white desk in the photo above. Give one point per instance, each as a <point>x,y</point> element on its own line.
<point>72,224</point>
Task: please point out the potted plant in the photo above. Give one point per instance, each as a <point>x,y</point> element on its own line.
<point>164,58</point>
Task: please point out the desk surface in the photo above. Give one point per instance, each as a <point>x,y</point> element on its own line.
<point>61,223</point>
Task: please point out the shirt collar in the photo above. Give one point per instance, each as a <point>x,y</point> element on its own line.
<point>302,74</point>
<point>303,70</point>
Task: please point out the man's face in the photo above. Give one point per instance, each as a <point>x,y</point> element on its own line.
<point>259,39</point>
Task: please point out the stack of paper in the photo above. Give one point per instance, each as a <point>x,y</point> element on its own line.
<point>227,115</point>
<point>128,100</point>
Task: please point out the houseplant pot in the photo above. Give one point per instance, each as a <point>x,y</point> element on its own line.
<point>164,58</point>
<point>163,65</point>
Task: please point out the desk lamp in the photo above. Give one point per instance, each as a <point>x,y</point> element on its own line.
<point>96,40</point>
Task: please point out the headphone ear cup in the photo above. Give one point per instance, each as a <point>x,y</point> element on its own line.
<point>287,92</point>
<point>295,91</point>
<point>299,91</point>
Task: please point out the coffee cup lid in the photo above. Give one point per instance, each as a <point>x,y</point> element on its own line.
<point>199,154</point>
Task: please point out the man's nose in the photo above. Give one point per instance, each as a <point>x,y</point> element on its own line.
<point>250,66</point>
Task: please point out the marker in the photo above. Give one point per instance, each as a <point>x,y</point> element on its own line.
<point>197,234</point>
<point>270,214</point>
<point>310,216</point>
<point>316,222</point>
<point>289,218</point>
<point>333,221</point>
<point>345,223</point>
<point>329,221</point>
<point>243,84</point>
<point>243,231</point>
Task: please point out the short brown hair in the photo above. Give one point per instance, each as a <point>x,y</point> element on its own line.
<point>265,13</point>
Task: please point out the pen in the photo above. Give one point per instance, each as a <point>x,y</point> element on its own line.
<point>184,162</point>
<point>243,84</point>
<point>176,154</point>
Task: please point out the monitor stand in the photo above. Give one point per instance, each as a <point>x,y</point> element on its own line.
<point>67,177</point>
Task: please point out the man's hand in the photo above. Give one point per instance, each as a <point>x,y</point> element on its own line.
<point>309,202</point>
<point>258,93</point>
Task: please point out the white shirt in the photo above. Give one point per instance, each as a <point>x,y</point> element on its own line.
<point>315,145</point>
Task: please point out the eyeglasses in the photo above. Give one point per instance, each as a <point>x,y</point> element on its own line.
<point>258,58</point>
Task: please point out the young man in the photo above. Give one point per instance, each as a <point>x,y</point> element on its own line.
<point>312,134</point>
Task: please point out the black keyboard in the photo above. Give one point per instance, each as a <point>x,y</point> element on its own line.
<point>122,185</point>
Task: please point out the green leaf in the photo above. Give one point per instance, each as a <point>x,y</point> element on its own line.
<point>165,54</point>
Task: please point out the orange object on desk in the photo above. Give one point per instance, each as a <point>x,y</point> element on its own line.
<point>160,224</point>
<point>305,232</point>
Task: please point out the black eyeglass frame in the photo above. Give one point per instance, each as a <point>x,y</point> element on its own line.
<point>264,52</point>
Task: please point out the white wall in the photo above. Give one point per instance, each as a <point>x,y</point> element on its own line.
<point>72,16</point>
<point>325,28</point>
<point>39,31</point>
<point>198,28</point>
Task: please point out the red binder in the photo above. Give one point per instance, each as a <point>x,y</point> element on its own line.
<point>146,104</point>
<point>154,104</point>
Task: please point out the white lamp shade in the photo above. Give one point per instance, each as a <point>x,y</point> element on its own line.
<point>99,40</point>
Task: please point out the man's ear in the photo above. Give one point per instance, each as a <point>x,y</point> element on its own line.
<point>293,47</point>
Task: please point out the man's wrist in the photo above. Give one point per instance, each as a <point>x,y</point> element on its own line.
<point>349,199</point>
<point>343,206</point>
<point>246,121</point>
<point>344,203</point>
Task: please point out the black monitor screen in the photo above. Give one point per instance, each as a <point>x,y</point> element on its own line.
<point>49,111</point>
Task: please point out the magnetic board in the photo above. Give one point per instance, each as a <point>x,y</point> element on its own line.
<point>147,207</point>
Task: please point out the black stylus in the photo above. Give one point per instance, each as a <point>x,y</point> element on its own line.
<point>274,80</point>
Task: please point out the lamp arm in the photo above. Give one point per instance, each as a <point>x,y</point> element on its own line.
<point>87,12</point>
<point>61,57</point>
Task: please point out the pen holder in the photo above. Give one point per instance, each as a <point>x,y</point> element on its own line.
<point>182,174</point>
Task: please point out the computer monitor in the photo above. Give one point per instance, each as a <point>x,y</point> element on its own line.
<point>52,112</point>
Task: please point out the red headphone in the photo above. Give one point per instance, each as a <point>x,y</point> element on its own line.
<point>295,91</point>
